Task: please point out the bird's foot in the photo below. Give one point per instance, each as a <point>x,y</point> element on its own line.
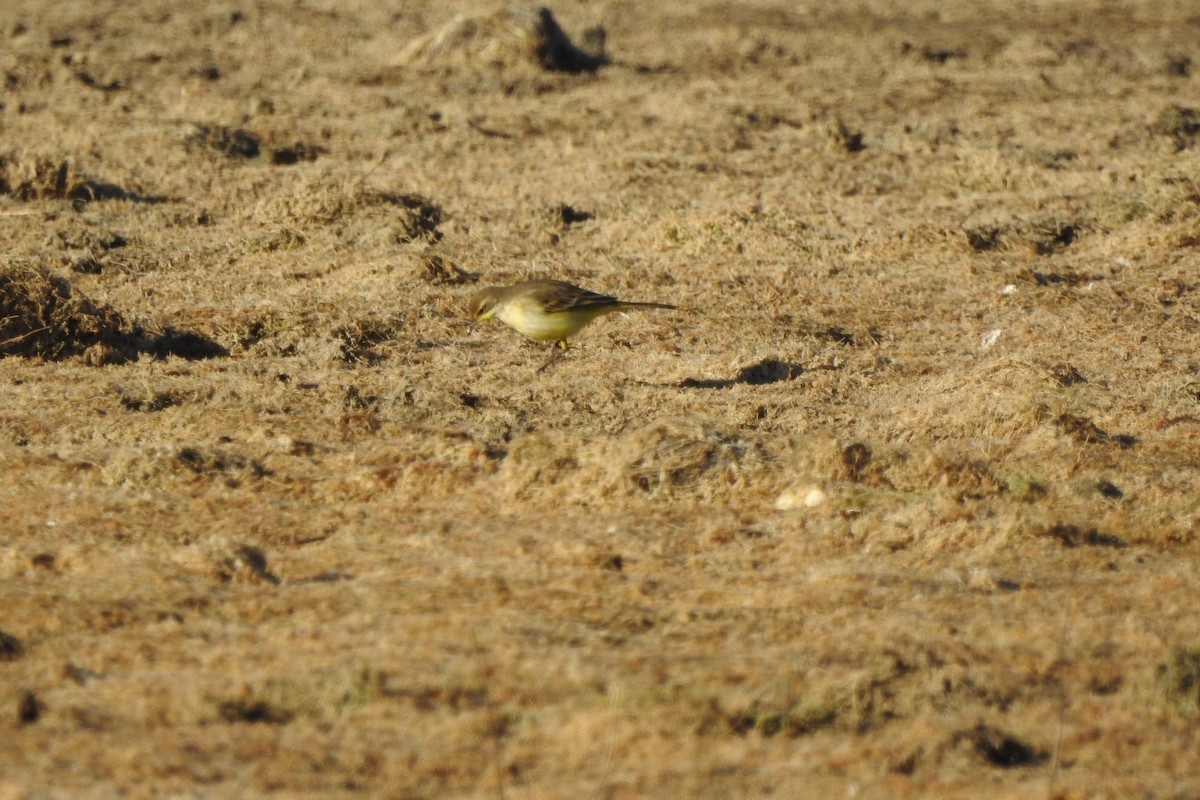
<point>556,355</point>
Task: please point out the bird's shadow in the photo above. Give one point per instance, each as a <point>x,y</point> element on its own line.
<point>769,370</point>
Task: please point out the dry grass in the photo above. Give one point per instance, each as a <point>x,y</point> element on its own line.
<point>902,503</point>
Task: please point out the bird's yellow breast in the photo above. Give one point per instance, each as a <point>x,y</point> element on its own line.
<point>527,315</point>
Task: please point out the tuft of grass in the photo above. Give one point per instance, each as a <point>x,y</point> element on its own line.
<point>1002,749</point>
<point>42,316</point>
<point>10,647</point>
<point>1180,124</point>
<point>226,141</point>
<point>249,708</point>
<point>514,37</point>
<point>364,686</point>
<point>793,721</point>
<point>677,455</point>
<point>360,339</point>
<point>1178,680</point>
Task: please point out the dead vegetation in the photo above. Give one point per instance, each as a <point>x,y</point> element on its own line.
<point>39,317</point>
<point>1179,680</point>
<point>24,177</point>
<point>900,502</point>
<point>238,143</point>
<point>42,317</point>
<point>512,37</point>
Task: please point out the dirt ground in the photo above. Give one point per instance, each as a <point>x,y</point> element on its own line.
<point>902,502</point>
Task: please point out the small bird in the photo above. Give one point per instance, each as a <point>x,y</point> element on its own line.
<point>548,311</point>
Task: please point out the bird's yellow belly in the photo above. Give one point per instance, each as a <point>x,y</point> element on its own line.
<point>537,324</point>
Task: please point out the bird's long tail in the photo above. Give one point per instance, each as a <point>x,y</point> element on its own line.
<point>625,304</point>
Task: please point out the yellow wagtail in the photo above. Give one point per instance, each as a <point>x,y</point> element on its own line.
<point>548,311</point>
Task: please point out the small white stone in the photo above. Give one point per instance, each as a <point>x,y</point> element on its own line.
<point>1008,288</point>
<point>795,497</point>
<point>989,339</point>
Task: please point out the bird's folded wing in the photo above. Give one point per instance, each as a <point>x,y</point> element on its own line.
<point>564,300</point>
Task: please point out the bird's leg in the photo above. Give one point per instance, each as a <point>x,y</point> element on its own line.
<point>556,354</point>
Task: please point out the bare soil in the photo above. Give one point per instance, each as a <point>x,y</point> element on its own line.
<point>903,502</point>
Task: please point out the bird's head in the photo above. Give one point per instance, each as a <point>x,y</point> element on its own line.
<point>483,304</point>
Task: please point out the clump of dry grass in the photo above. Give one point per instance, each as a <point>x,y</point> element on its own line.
<point>230,142</point>
<point>245,563</point>
<point>418,218</point>
<point>10,647</point>
<point>248,707</point>
<point>42,317</point>
<point>31,177</point>
<point>515,36</point>
<point>359,212</point>
<point>38,178</point>
<point>239,143</point>
<point>443,272</point>
<point>1179,680</point>
<point>675,456</point>
<point>360,339</point>
<point>670,459</point>
<point>1180,124</point>
<point>767,719</point>
<point>188,464</point>
<point>975,746</point>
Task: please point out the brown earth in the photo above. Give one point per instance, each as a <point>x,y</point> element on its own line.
<point>902,503</point>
